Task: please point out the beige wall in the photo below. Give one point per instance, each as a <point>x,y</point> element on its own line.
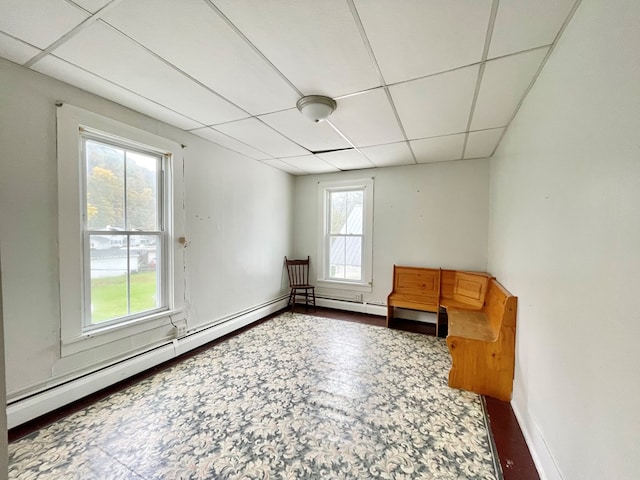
<point>565,238</point>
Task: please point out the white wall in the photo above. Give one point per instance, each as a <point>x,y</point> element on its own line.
<point>428,215</point>
<point>238,227</point>
<point>565,238</point>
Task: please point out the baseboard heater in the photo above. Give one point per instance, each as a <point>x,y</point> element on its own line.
<point>351,306</point>
<point>27,408</point>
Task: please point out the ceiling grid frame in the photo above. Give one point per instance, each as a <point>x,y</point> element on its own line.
<point>485,52</point>
<point>350,20</point>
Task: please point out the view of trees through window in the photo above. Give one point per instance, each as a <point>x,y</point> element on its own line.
<point>346,234</point>
<point>123,230</point>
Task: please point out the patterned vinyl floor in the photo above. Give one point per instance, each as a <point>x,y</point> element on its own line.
<point>295,397</point>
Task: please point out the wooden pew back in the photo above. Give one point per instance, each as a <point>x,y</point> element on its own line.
<point>463,289</point>
<point>417,288</point>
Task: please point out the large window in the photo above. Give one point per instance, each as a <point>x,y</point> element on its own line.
<point>346,232</point>
<point>123,231</point>
<point>120,219</point>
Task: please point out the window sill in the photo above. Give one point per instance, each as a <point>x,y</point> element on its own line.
<point>101,336</point>
<point>353,286</point>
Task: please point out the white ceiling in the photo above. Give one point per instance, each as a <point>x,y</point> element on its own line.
<point>415,81</point>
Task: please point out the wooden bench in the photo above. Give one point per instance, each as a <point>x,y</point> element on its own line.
<point>478,317</point>
<point>460,289</point>
<point>482,344</point>
<point>414,288</point>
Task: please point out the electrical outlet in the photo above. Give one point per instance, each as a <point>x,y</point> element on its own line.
<point>358,297</point>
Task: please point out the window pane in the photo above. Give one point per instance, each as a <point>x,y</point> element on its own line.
<point>337,212</point>
<point>142,191</point>
<point>336,257</point>
<point>144,273</point>
<point>105,186</point>
<point>353,258</point>
<point>108,270</point>
<point>354,209</point>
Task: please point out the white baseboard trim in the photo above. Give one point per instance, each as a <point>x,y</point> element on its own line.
<point>542,458</point>
<point>34,406</point>
<point>360,307</point>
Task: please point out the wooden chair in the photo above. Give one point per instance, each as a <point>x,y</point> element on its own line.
<point>298,271</point>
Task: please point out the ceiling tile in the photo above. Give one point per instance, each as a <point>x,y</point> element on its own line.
<point>16,50</point>
<point>367,119</point>
<point>438,149</point>
<point>389,155</point>
<point>347,160</point>
<point>205,46</point>
<point>56,68</point>
<point>92,5</point>
<point>504,84</point>
<point>230,143</point>
<point>483,143</point>
<point>316,45</point>
<point>413,38</point>
<point>39,23</point>
<point>310,164</point>
<point>436,105</point>
<point>523,24</point>
<point>255,133</point>
<point>285,167</point>
<point>109,54</point>
<point>313,136</point>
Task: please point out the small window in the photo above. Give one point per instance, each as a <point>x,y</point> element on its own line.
<point>124,238</point>
<point>346,231</point>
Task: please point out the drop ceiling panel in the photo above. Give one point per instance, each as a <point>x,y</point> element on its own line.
<point>92,5</point>
<point>315,44</point>
<point>483,143</point>
<point>389,155</point>
<point>438,149</point>
<point>285,167</point>
<point>206,47</point>
<point>310,164</point>
<point>56,68</point>
<point>346,160</point>
<point>381,125</point>
<point>413,38</point>
<point>38,22</point>
<point>230,143</point>
<point>436,105</point>
<point>255,133</point>
<point>312,136</point>
<point>523,24</point>
<point>109,54</point>
<point>16,50</point>
<point>503,86</point>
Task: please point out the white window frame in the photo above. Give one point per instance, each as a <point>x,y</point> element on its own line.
<point>76,334</point>
<point>323,280</point>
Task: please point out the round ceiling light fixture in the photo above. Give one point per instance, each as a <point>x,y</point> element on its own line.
<point>316,107</point>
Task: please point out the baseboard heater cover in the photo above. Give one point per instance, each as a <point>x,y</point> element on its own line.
<point>351,306</point>
<point>26,409</point>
